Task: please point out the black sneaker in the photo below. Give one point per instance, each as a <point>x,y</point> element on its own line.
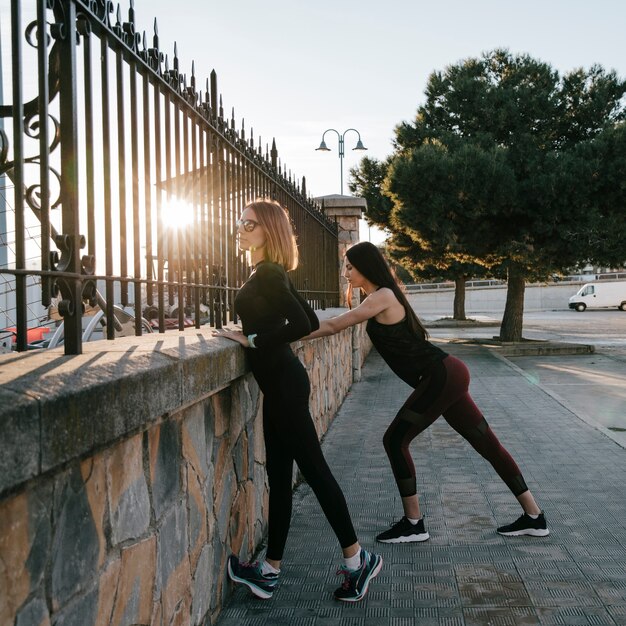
<point>249,574</point>
<point>356,582</point>
<point>526,525</point>
<point>404,532</point>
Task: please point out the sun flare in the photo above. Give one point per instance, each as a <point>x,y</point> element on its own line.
<point>177,215</point>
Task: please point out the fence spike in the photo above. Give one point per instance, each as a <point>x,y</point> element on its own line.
<point>274,153</point>
<point>214,93</point>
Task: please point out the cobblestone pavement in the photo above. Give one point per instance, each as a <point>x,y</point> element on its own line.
<point>466,574</point>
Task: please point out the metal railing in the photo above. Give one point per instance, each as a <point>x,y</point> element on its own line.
<point>131,177</point>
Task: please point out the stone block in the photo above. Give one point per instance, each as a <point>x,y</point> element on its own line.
<point>221,410</point>
<point>176,596</point>
<point>219,590</point>
<point>24,551</point>
<point>240,456</point>
<point>209,427</point>
<point>238,524</point>
<point>165,457</point>
<point>34,613</point>
<point>93,472</point>
<point>129,502</point>
<point>134,585</point>
<point>14,550</point>
<point>198,516</point>
<point>39,532</point>
<point>239,405</point>
<point>79,613</point>
<point>157,613</point>
<point>194,433</point>
<point>107,591</point>
<point>202,584</point>
<point>171,544</point>
<point>20,441</point>
<point>225,489</point>
<point>75,543</point>
<point>259,441</point>
<point>251,442</point>
<point>250,539</point>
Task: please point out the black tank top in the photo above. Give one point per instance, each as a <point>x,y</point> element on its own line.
<point>407,354</point>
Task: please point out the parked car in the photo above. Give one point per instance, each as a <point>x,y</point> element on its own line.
<point>600,295</point>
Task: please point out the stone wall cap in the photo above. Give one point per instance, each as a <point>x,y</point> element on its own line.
<point>336,201</point>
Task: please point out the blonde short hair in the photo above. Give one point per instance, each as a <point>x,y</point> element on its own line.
<point>280,240</point>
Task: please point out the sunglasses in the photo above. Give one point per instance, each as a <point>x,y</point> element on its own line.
<point>248,225</point>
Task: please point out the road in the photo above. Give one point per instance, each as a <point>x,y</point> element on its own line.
<point>591,385</point>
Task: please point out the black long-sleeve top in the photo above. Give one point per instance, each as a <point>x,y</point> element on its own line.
<point>270,307</point>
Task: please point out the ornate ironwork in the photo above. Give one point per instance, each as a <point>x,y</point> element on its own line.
<point>191,152</point>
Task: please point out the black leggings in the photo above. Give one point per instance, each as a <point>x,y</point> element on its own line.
<point>445,392</point>
<point>290,436</point>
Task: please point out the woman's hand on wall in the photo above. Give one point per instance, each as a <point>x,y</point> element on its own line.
<point>233,335</point>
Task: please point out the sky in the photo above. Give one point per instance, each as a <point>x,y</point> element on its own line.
<point>294,69</point>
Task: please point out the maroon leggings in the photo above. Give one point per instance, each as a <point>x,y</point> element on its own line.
<point>444,391</point>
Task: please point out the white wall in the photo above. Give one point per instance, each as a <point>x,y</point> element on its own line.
<point>491,300</point>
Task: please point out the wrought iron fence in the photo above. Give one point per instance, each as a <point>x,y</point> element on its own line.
<point>127,181</point>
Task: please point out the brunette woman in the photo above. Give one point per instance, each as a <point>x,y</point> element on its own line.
<point>440,382</point>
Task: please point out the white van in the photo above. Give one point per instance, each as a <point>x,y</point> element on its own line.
<point>600,294</point>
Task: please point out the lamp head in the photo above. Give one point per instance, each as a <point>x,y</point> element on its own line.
<point>359,146</point>
<point>323,147</point>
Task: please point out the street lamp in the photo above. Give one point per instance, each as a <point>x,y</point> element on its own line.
<point>324,148</point>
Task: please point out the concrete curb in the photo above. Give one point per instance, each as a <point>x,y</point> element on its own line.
<point>530,347</point>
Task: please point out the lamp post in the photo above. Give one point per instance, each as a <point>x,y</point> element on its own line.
<point>324,148</point>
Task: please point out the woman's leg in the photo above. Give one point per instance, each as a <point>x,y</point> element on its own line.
<point>279,466</point>
<point>420,410</point>
<point>465,417</point>
<point>293,428</point>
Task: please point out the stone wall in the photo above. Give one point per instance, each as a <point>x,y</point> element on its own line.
<point>130,472</point>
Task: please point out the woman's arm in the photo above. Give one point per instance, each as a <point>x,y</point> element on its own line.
<point>286,302</point>
<point>374,304</point>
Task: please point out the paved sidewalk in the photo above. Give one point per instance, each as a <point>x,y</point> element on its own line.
<point>466,573</point>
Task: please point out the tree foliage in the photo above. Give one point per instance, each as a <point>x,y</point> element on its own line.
<point>509,166</point>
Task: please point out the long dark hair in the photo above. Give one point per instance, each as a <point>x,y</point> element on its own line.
<point>370,262</point>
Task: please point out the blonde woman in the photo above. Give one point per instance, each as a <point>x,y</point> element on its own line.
<point>273,314</point>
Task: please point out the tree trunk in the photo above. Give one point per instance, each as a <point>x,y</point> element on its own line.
<point>459,298</point>
<point>513,319</point>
